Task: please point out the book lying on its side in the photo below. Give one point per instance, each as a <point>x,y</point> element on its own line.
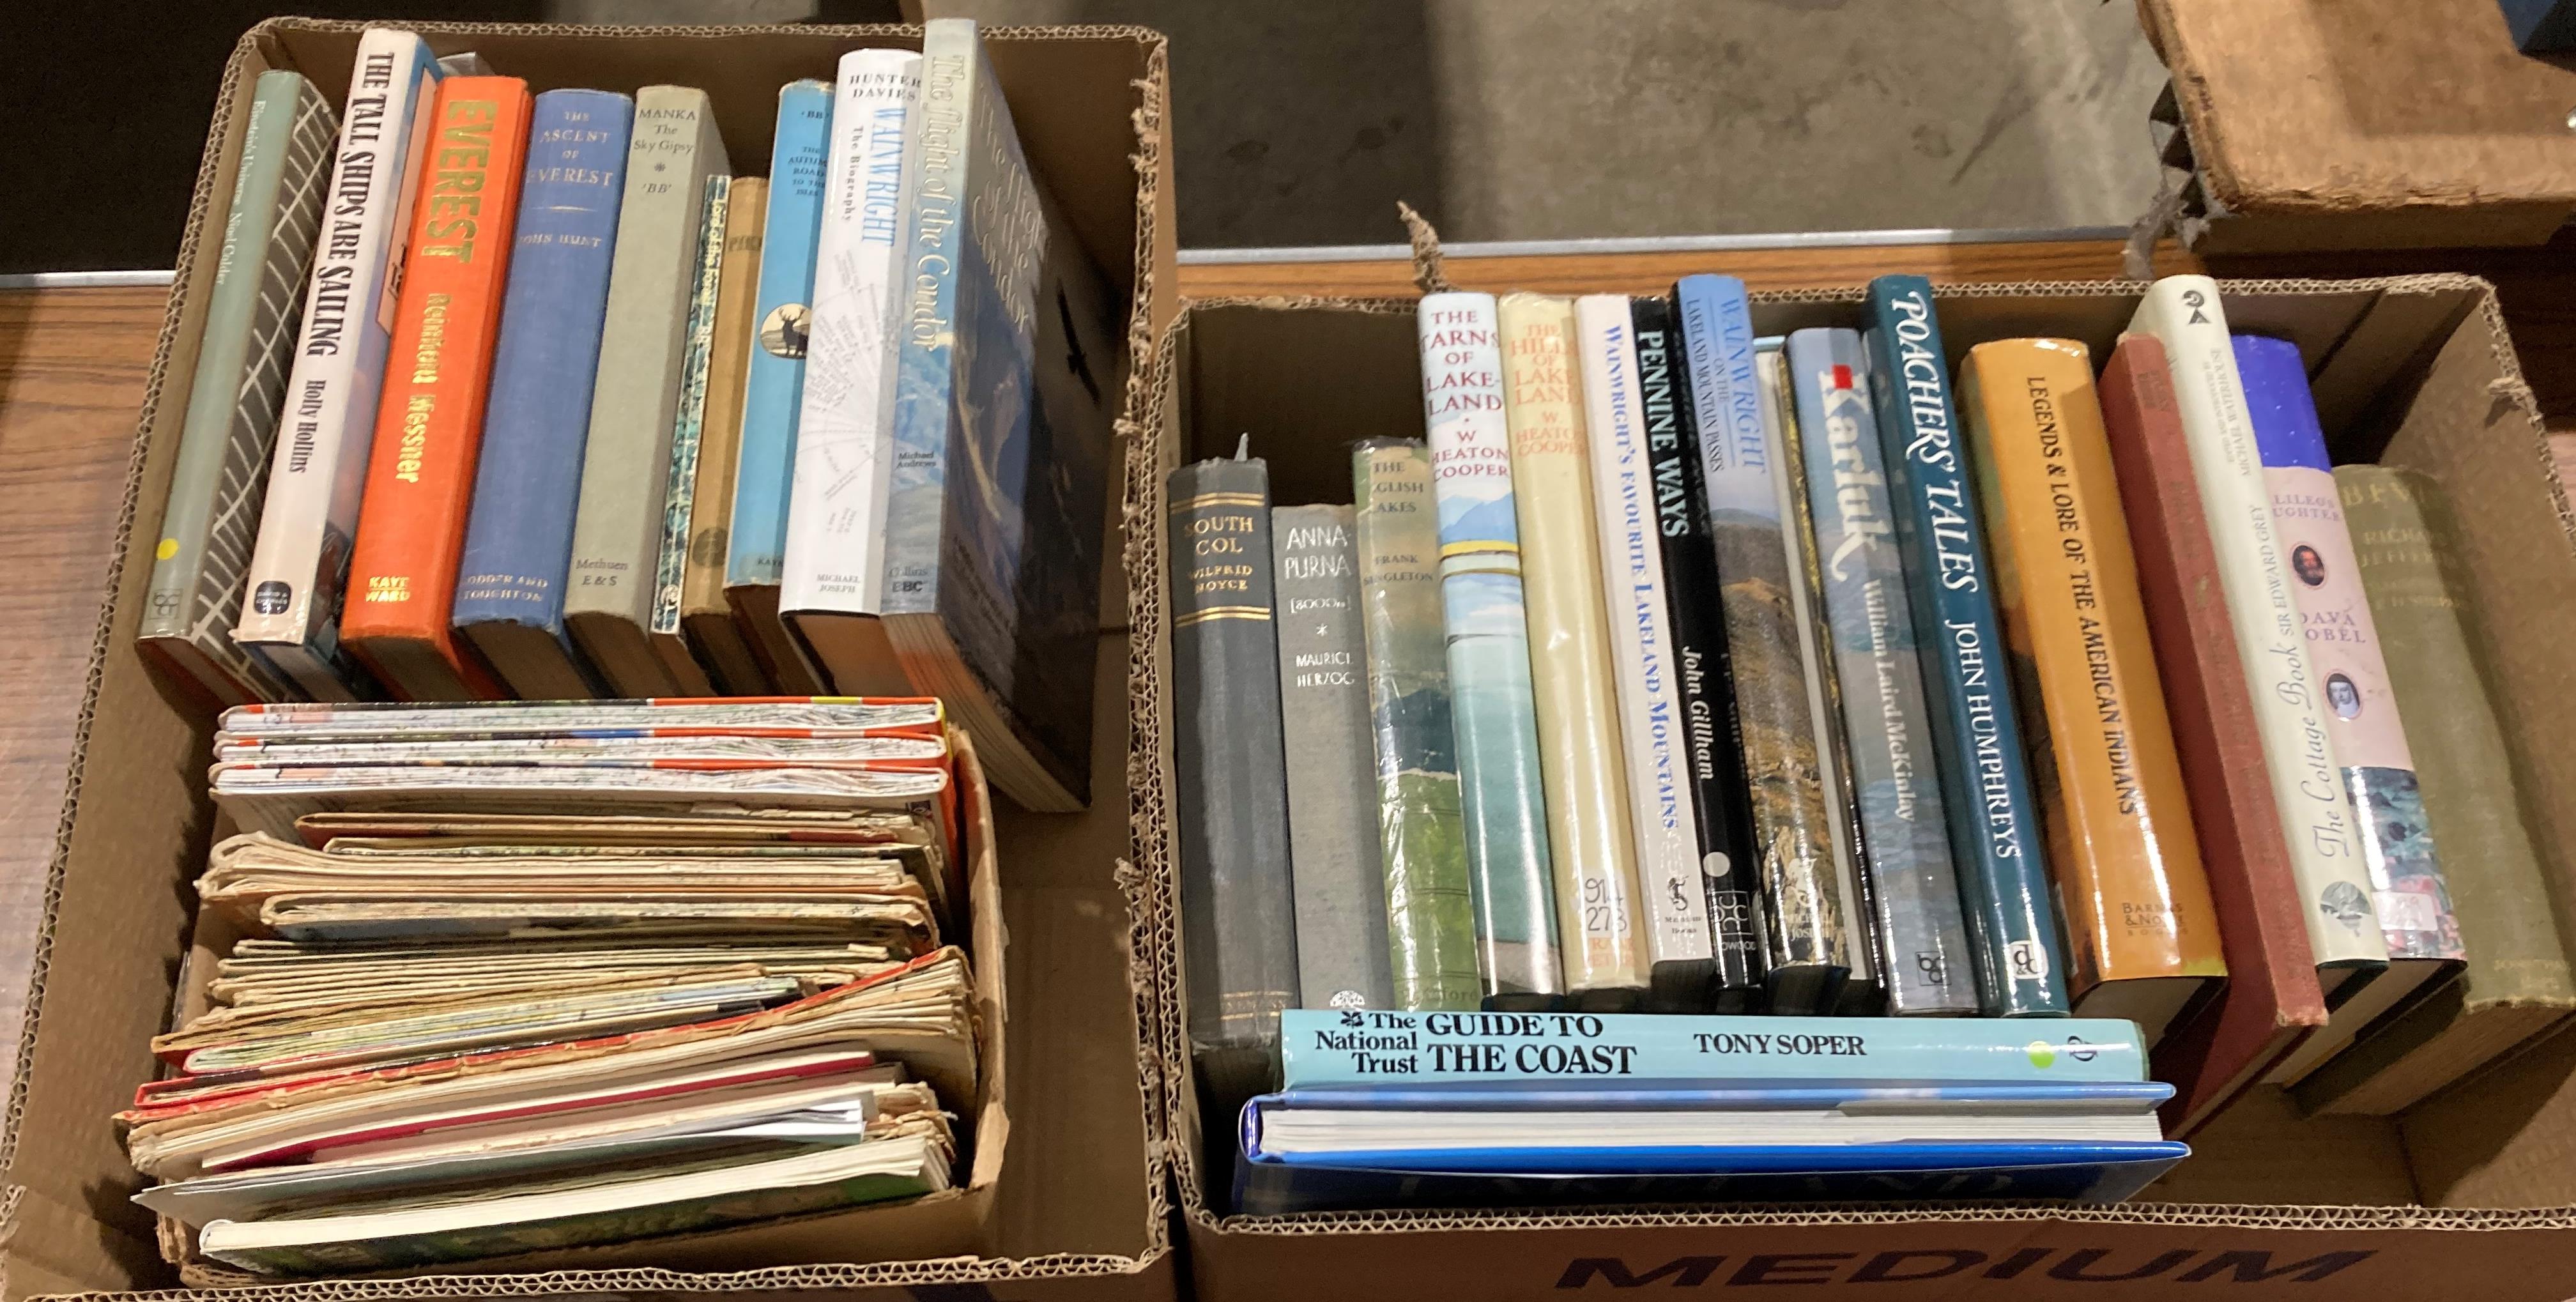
<point>518,539</point>
<point>1323,1047</point>
<point>2516,985</point>
<point>420,477</point>
<point>589,1209</point>
<point>207,524</point>
<point>301,565</point>
<point>2141,930</point>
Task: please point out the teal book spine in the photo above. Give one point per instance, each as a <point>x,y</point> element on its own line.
<point>774,383</point>
<point>1326,1047</point>
<point>1484,621</point>
<point>688,425</point>
<point>1976,737</point>
<point>1903,827</point>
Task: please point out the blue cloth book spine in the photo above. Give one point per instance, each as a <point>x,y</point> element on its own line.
<point>1915,889</point>
<point>1976,737</point>
<point>518,540</point>
<point>774,385</point>
<point>1325,1046</point>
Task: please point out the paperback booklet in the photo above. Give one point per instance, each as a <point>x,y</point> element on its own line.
<point>725,643</point>
<point>208,526</point>
<point>1007,362</point>
<point>688,428</point>
<point>1994,822</point>
<point>1660,797</point>
<point>1915,896</point>
<point>1808,933</point>
<point>301,563</point>
<point>1491,708</point>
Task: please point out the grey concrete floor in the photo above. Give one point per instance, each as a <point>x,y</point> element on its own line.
<point>1301,122</point>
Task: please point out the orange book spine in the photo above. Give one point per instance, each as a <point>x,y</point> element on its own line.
<point>2129,875</point>
<point>420,473</point>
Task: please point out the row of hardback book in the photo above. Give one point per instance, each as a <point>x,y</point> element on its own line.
<point>493,980</point>
<point>1680,669</point>
<point>502,394</point>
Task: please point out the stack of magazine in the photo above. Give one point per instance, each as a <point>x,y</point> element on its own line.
<point>1559,1108</point>
<point>489,980</point>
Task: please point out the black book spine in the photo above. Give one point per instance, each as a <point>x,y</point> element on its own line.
<point>1238,904</point>
<point>1728,867</point>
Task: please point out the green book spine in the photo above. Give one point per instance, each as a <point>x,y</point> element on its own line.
<point>690,423</point>
<point>1422,837</point>
<point>210,523</point>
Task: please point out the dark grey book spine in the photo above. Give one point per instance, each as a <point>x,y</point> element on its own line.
<point>1238,911</point>
<point>1332,788</point>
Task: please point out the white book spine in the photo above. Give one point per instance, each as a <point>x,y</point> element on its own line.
<point>836,499</point>
<point>1632,581</point>
<point>328,428</point>
<point>2316,814</point>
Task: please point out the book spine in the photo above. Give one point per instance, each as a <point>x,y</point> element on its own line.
<point>1806,929</point>
<point>930,258</point>
<point>702,597</point>
<point>228,433</point>
<point>1321,1048</point>
<point>300,565</point>
<point>1976,733</point>
<point>1862,992</point>
<point>1342,954</point>
<point>1887,723</point>
<point>2407,890</point>
<point>1422,839</point>
<point>1665,825</point>
<point>2404,538</point>
<point>1483,617</point>
<point>2121,834</point>
<point>411,528</point>
<point>2316,816</point>
<point>835,557</point>
<point>634,403</point>
<point>1238,909</point>
<point>774,382</point>
<point>1720,808</point>
<point>688,424</point>
<point>518,542</point>
<point>1599,917</point>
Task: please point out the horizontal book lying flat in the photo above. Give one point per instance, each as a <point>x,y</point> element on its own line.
<point>591,1210</point>
<point>1328,1047</point>
<point>404,721</point>
<point>271,800</point>
<point>377,828</point>
<point>655,746</point>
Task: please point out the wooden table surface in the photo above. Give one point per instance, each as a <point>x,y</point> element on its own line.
<point>73,363</point>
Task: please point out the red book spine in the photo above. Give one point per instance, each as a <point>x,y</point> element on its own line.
<point>420,474</point>
<point>2272,998</point>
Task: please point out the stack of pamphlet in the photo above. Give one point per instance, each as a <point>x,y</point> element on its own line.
<point>534,976</point>
<point>1552,1108</point>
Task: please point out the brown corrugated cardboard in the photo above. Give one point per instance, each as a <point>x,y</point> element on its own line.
<point>1077,1204</point>
<point>2471,1194</point>
<point>2296,126</point>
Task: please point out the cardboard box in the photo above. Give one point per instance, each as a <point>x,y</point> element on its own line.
<point>2292,125</point>
<point>2470,1194</point>
<point>1076,1208</point>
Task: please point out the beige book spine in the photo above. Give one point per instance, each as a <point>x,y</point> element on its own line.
<point>1580,755</point>
<point>711,509</point>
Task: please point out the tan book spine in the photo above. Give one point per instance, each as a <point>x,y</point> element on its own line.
<point>1578,715</point>
<point>2121,839</point>
<point>704,611</point>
